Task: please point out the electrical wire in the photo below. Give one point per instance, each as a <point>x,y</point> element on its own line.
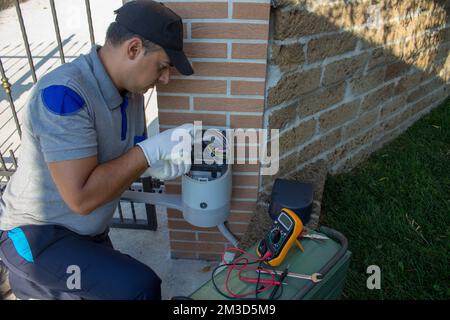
<point>234,298</point>
<point>274,282</point>
<point>218,147</point>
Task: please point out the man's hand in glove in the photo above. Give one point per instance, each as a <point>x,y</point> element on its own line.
<point>169,153</point>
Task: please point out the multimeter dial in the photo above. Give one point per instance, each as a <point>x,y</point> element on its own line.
<point>275,236</point>
<point>282,234</point>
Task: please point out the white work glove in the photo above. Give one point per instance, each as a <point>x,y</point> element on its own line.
<point>168,153</point>
<point>166,170</point>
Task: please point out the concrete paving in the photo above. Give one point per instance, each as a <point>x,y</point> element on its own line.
<point>180,277</point>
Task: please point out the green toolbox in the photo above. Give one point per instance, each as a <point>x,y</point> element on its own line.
<point>327,257</point>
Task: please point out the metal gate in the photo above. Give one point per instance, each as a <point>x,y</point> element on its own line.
<point>9,163</point>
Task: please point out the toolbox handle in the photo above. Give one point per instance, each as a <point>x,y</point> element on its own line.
<point>338,237</point>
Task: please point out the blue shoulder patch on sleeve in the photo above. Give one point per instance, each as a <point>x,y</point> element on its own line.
<point>62,100</point>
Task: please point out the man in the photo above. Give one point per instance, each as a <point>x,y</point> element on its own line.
<point>83,145</point>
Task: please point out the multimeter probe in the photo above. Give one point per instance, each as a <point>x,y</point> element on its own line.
<point>241,265</point>
<point>272,250</point>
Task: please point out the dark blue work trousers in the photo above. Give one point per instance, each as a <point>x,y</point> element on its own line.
<point>52,262</point>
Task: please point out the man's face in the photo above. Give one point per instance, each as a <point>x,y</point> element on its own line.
<point>146,70</point>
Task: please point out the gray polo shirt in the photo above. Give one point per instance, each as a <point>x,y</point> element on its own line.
<point>73,112</point>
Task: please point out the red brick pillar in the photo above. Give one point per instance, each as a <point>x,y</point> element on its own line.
<point>226,42</point>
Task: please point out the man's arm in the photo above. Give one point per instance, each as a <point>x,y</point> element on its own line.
<point>85,185</point>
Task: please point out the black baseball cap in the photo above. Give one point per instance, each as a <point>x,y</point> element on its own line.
<point>155,22</point>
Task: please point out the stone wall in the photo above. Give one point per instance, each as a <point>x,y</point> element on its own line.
<point>340,68</point>
<point>345,77</point>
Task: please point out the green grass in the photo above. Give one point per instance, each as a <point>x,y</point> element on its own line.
<point>395,211</point>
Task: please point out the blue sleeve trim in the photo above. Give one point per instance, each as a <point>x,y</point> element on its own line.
<point>138,139</point>
<point>21,244</point>
<point>62,100</point>
<point>123,110</point>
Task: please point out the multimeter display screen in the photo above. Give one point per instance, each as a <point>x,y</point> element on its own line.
<point>284,219</point>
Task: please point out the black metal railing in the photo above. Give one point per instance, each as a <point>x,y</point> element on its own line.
<point>7,87</point>
<point>25,40</point>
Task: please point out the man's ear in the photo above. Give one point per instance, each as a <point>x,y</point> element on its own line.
<point>134,47</point>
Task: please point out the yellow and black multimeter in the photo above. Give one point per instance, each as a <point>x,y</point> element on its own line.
<point>282,235</point>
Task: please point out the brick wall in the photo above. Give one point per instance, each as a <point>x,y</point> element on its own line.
<point>345,77</point>
<point>339,78</point>
<point>226,42</point>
